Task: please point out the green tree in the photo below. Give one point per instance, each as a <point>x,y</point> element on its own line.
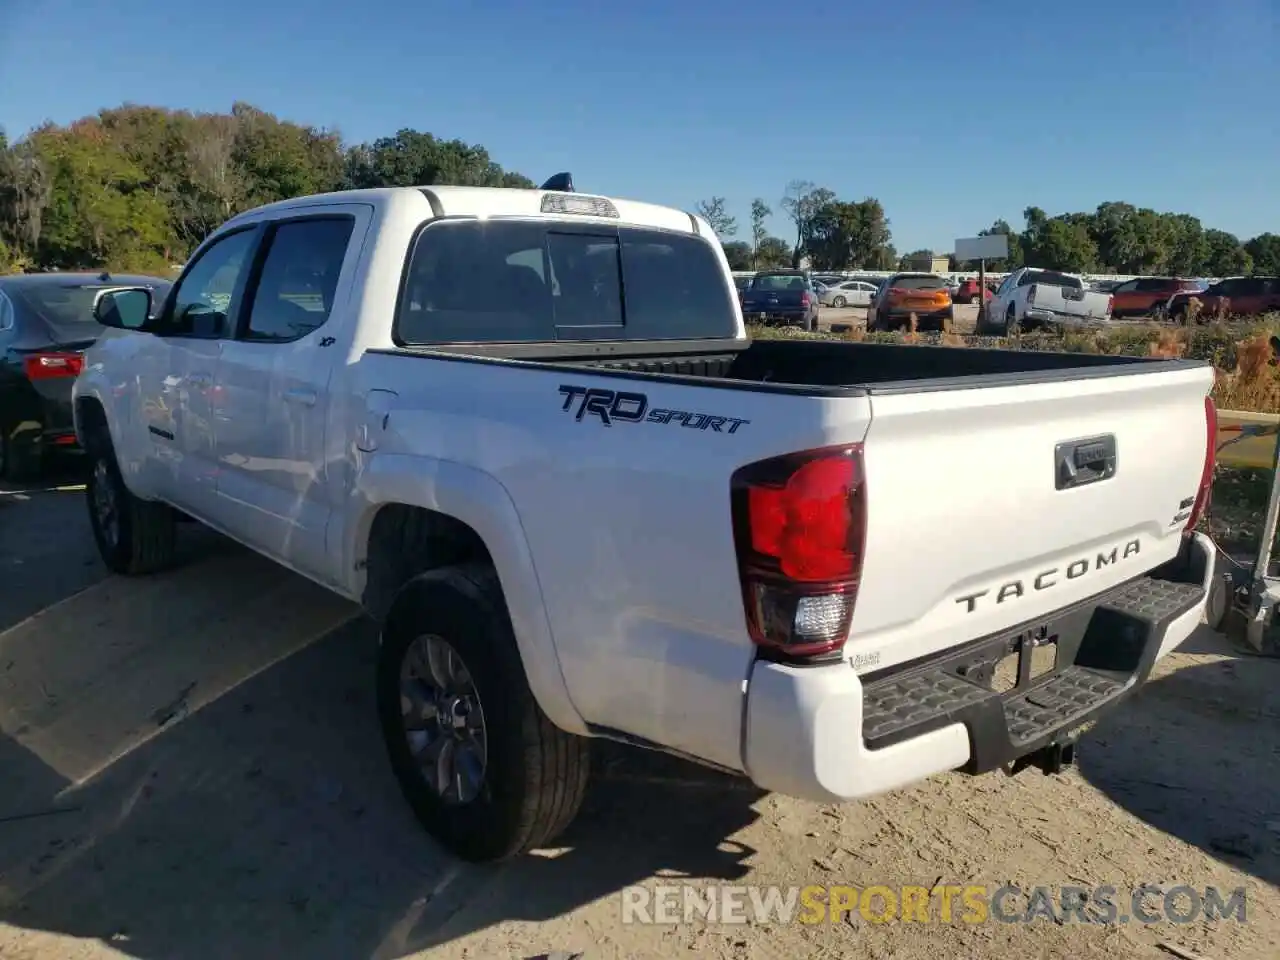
<point>411,158</point>
<point>1225,255</point>
<point>1264,249</point>
<point>739,255</point>
<point>760,212</point>
<point>713,211</point>
<point>772,253</point>
<point>1058,243</point>
<point>844,235</point>
<point>801,203</point>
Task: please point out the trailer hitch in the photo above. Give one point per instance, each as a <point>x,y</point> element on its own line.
<point>1051,759</point>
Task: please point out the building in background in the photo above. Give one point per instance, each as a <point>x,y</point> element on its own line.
<point>932,263</point>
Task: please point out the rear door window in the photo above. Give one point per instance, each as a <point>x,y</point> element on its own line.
<point>508,281</point>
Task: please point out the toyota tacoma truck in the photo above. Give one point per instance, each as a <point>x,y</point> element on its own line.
<point>526,431</point>
<point>1030,299</point>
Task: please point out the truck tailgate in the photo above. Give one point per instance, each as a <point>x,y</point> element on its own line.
<point>970,529</point>
<point>1068,300</point>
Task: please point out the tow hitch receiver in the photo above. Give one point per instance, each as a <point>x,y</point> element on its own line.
<point>1051,759</point>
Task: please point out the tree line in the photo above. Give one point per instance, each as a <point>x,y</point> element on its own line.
<point>138,187</point>
<point>1116,238</point>
<point>830,233</point>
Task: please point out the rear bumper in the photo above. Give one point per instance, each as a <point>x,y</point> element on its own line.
<point>776,314</point>
<point>826,734</point>
<point>1053,318</point>
<point>40,414</point>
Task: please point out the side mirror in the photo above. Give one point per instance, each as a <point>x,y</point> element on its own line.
<point>125,308</point>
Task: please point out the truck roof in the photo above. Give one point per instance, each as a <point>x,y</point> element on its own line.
<point>446,201</point>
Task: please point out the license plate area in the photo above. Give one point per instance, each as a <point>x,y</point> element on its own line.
<point>1020,661</point>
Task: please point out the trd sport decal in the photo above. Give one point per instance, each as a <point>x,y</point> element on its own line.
<point>616,406</point>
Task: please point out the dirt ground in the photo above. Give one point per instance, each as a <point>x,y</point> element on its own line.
<point>190,769</point>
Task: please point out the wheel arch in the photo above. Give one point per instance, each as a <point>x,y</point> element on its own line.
<point>415,514</point>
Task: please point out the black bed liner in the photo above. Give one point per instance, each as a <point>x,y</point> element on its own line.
<point>821,367</point>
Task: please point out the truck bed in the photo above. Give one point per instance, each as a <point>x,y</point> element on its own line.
<point>824,367</point>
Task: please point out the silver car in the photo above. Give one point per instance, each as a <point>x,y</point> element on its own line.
<point>850,293</point>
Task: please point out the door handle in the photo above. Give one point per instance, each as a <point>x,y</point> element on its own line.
<point>1080,462</point>
<point>305,397</point>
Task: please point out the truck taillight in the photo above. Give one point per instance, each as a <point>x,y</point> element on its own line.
<point>805,299</point>
<point>1210,461</point>
<point>49,366</point>
<point>799,524</point>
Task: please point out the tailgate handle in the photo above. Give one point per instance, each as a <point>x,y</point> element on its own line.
<point>1081,462</point>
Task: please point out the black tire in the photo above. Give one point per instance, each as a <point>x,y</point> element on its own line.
<point>20,462</point>
<point>535,774</point>
<point>142,537</point>
<point>839,302</point>
<point>1010,322</point>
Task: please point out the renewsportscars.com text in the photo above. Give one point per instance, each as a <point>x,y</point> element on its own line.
<point>725,904</point>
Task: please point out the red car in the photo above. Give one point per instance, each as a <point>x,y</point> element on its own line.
<point>1234,296</point>
<point>1137,298</point>
<point>968,292</point>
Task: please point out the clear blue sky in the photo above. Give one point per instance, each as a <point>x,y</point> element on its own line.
<point>952,114</point>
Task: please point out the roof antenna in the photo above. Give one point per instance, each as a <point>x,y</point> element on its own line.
<point>561,183</point>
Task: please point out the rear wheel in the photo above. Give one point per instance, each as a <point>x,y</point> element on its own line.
<point>483,769</point>
<point>1010,322</point>
<point>134,536</point>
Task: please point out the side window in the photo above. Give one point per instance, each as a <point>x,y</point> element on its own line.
<point>6,314</point>
<point>1129,285</point>
<point>295,290</point>
<point>201,304</point>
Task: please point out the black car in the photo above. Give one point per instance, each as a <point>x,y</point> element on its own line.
<point>46,323</point>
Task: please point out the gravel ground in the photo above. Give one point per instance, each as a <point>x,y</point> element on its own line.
<point>190,768</point>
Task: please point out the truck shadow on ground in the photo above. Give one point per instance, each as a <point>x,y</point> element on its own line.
<point>1196,754</point>
<point>265,823</point>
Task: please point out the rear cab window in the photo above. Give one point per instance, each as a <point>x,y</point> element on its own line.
<point>779,281</point>
<point>1051,278</point>
<point>513,281</point>
<point>919,281</point>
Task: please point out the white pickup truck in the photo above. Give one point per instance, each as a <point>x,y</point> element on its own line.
<point>525,429</point>
<point>1030,299</point>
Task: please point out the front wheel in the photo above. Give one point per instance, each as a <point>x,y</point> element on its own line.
<point>481,766</point>
<point>839,302</point>
<point>134,536</point>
